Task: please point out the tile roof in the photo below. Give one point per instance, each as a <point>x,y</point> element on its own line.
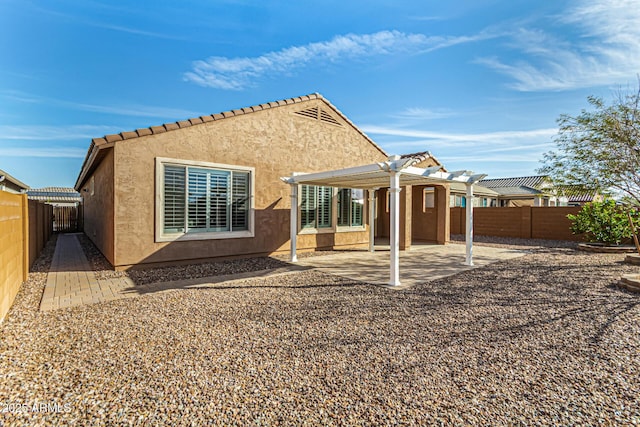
<point>478,190</point>
<point>422,156</point>
<point>521,190</point>
<point>576,193</point>
<point>213,117</point>
<point>166,127</point>
<point>55,195</point>
<point>522,181</point>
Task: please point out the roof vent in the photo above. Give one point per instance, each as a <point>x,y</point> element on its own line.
<point>319,114</point>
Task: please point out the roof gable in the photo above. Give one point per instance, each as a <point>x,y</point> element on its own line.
<point>14,181</point>
<point>324,114</point>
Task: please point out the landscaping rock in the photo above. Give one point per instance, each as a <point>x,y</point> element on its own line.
<point>544,339</point>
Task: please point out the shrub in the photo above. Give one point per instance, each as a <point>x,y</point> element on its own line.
<point>603,222</point>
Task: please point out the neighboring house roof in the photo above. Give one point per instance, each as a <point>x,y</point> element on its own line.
<point>109,140</point>
<point>577,194</point>
<point>423,156</point>
<point>16,183</point>
<point>55,195</point>
<point>478,190</point>
<point>535,181</point>
<point>517,191</point>
<point>519,186</point>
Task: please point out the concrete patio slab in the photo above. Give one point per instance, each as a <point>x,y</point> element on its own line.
<point>72,282</point>
<point>421,264</point>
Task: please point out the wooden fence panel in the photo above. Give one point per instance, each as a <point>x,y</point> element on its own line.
<point>66,219</point>
<point>40,228</point>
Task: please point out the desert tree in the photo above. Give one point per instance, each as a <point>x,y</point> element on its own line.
<point>600,149</point>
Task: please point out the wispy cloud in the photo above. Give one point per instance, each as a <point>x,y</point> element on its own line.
<point>51,133</point>
<point>468,139</point>
<point>513,158</point>
<point>60,152</point>
<point>134,110</point>
<point>108,24</point>
<point>425,114</point>
<point>606,51</point>
<point>241,72</point>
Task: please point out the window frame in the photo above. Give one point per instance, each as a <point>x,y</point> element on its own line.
<point>162,236</point>
<point>428,193</point>
<point>335,228</point>
<point>347,228</point>
<point>316,229</point>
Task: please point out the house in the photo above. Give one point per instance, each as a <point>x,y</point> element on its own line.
<point>575,195</point>
<point>483,197</point>
<point>56,196</point>
<point>209,187</point>
<point>11,184</point>
<point>66,202</point>
<point>522,191</point>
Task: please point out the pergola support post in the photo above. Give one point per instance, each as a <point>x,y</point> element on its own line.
<point>293,255</point>
<point>372,219</point>
<point>394,238</point>
<point>469,226</point>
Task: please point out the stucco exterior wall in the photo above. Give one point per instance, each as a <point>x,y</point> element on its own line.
<point>276,142</point>
<point>98,208</point>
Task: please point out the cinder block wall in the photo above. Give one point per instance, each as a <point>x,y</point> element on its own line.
<point>525,222</point>
<point>14,263</point>
<point>25,227</point>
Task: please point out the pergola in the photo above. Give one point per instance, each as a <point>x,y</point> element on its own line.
<point>394,173</point>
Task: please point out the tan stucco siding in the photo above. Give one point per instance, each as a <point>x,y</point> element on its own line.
<point>98,208</point>
<point>275,142</point>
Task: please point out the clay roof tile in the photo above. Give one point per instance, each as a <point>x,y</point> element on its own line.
<point>113,137</point>
<point>129,135</point>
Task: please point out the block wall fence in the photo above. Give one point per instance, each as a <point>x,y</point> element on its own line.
<point>25,227</point>
<point>525,222</point>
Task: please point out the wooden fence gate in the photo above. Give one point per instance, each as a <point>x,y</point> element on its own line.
<point>67,219</point>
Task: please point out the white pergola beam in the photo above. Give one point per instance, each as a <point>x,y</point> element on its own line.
<point>469,225</point>
<point>394,232</point>
<point>372,219</point>
<point>293,254</point>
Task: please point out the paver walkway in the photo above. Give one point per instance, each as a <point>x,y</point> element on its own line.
<point>71,280</point>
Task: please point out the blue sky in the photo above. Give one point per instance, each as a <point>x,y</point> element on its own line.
<point>479,83</point>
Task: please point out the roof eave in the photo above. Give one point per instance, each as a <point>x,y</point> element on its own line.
<point>89,160</point>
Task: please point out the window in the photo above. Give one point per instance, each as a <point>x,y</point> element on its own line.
<point>457,201</point>
<point>428,196</point>
<point>202,200</point>
<point>350,207</point>
<point>315,206</point>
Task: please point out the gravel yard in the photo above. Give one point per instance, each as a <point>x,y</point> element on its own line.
<point>545,339</point>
